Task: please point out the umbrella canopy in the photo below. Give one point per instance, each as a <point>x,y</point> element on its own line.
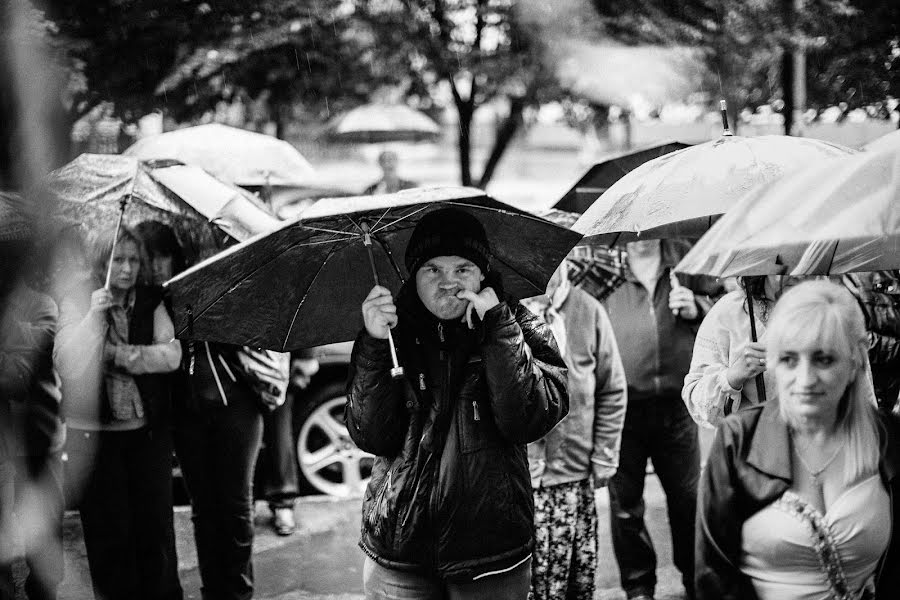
<point>888,140</point>
<point>604,174</point>
<point>840,216</point>
<point>378,123</point>
<point>196,205</point>
<point>680,194</point>
<point>230,154</point>
<point>303,284</point>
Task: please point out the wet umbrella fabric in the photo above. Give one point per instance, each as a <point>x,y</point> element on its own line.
<point>604,174</point>
<point>302,285</point>
<point>682,193</point>
<point>15,225</point>
<point>232,155</point>
<point>840,216</point>
<point>196,205</point>
<point>379,123</point>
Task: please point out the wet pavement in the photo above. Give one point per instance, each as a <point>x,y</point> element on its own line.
<point>322,561</point>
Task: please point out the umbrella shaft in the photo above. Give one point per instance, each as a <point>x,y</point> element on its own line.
<point>112,251</point>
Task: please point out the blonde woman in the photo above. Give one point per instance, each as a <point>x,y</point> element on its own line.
<point>798,496</point>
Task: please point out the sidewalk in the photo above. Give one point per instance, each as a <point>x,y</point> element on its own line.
<point>322,561</point>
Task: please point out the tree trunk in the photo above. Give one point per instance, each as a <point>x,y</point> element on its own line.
<point>465,113</point>
<point>505,133</point>
<point>787,89</point>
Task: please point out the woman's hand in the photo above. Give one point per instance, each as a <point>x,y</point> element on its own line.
<point>379,312</point>
<point>750,362</point>
<point>101,300</point>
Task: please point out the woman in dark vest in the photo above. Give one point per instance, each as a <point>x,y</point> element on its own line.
<point>114,349</point>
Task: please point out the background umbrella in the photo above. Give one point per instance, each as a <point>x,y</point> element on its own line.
<point>840,216</point>
<point>680,194</point>
<point>232,155</point>
<point>596,269</point>
<point>198,207</point>
<point>377,123</point>
<point>604,174</point>
<point>302,285</point>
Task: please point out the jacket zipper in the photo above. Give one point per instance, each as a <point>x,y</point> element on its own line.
<point>445,387</point>
<point>655,321</point>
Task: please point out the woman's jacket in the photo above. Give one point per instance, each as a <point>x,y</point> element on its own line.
<point>450,492</point>
<point>749,467</point>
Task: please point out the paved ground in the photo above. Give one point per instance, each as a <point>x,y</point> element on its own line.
<point>322,562</point>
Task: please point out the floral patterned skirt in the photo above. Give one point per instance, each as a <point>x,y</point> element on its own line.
<point>565,553</point>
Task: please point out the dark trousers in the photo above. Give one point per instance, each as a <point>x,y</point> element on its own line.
<point>279,456</point>
<point>662,430</point>
<point>36,493</point>
<point>217,447</point>
<point>126,512</point>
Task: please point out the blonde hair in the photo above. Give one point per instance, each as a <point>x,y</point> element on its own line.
<point>827,313</point>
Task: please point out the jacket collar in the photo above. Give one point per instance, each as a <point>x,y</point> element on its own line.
<point>770,447</point>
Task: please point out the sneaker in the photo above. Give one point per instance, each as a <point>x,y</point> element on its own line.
<point>283,521</point>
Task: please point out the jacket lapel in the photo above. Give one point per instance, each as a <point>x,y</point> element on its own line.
<point>770,447</point>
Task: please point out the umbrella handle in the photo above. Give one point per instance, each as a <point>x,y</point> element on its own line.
<point>760,382</point>
<point>396,370</point>
<point>112,250</point>
<point>723,110</point>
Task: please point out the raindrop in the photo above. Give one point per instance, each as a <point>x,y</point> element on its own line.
<point>297,58</point>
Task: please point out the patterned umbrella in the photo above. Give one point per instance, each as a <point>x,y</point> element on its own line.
<point>202,211</point>
<point>377,123</point>
<point>682,193</point>
<point>230,154</point>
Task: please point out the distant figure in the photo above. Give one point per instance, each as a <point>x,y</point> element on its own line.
<point>390,181</point>
<point>800,496</point>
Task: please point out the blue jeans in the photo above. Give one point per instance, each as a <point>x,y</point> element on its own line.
<point>387,584</point>
<point>662,430</point>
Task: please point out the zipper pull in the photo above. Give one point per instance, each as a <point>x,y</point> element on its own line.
<point>475,410</point>
<point>441,332</point>
<point>422,381</point>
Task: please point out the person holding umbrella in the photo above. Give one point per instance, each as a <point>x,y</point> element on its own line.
<point>449,511</point>
<point>799,497</point>
<point>114,350</point>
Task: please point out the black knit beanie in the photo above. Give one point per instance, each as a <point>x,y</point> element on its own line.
<point>448,232</point>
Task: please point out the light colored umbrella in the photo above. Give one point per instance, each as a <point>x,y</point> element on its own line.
<point>378,123</point>
<point>100,190</point>
<point>888,140</point>
<point>839,216</point>
<point>230,154</point>
<point>302,284</point>
<point>682,193</point>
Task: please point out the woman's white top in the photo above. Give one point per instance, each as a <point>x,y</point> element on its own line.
<point>792,551</point>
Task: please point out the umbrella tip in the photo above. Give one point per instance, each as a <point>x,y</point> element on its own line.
<point>723,110</point>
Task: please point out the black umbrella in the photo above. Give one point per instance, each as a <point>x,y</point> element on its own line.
<point>302,285</point>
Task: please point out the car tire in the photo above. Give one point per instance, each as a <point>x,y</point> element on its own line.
<point>328,462</point>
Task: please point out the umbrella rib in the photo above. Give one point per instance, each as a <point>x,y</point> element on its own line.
<point>403,218</point>
<point>348,234</point>
<point>306,295</point>
<point>381,218</point>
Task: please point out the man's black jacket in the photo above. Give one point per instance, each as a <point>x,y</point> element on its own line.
<point>450,492</point>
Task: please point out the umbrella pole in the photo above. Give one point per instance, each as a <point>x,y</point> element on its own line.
<point>112,251</point>
<point>760,381</point>
<point>396,370</point>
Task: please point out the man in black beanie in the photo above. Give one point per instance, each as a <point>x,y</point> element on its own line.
<point>448,512</point>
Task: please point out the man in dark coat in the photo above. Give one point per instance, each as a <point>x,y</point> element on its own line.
<point>449,509</point>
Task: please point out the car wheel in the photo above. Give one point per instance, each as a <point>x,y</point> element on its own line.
<point>328,460</point>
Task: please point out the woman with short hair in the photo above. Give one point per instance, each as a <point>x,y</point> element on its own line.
<point>798,495</point>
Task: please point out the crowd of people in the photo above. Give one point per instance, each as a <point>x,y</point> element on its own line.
<point>489,450</point>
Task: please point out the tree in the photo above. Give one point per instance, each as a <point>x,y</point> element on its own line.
<point>480,50</point>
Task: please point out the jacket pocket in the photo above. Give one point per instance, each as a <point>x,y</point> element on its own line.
<point>477,429</point>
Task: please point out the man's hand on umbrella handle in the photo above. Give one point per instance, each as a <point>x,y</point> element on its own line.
<point>682,303</point>
<point>379,312</point>
<point>481,302</point>
<point>749,362</point>
<point>101,300</point>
